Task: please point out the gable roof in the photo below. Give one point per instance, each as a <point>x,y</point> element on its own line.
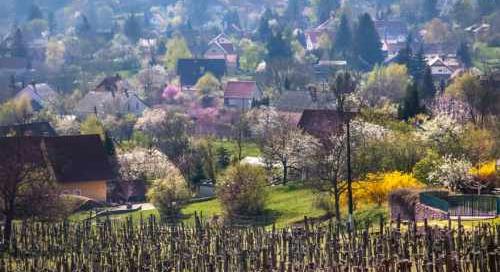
<point>321,123</point>
<point>79,158</point>
<point>224,43</point>
<point>110,102</point>
<point>298,101</point>
<point>190,70</point>
<point>31,129</point>
<point>240,89</point>
<point>42,94</point>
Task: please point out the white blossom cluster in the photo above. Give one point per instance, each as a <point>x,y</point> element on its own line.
<point>439,127</point>
<point>453,173</point>
<point>144,164</point>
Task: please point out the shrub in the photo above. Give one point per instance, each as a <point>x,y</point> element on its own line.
<point>375,189</point>
<point>241,190</point>
<point>169,193</point>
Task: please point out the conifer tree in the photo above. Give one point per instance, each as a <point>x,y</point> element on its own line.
<point>464,54</point>
<point>325,8</point>
<point>18,46</point>
<point>410,106</point>
<point>367,45</point>
<point>427,87</point>
<point>343,39</point>
<point>264,29</point>
<point>35,13</point>
<point>132,29</point>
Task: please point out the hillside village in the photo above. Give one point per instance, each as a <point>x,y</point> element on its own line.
<point>249,113</point>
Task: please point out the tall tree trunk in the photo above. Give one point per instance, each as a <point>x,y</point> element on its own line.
<point>337,202</point>
<point>285,172</point>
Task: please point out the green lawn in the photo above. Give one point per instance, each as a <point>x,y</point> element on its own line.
<point>485,52</point>
<point>286,205</point>
<point>248,148</point>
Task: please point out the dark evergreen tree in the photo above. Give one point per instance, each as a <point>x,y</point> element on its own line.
<point>132,28</point>
<point>405,55</point>
<point>410,106</point>
<point>293,12</point>
<point>367,45</point>
<point>429,9</point>
<point>278,47</point>
<point>343,39</point>
<point>197,11</point>
<point>264,31</point>
<point>19,48</point>
<point>418,65</point>
<point>463,54</point>
<point>325,8</point>
<point>223,157</point>
<point>83,28</point>
<point>427,87</point>
<point>231,18</point>
<point>109,145</point>
<point>35,13</point>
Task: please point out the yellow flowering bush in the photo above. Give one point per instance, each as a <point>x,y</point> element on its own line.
<point>375,188</point>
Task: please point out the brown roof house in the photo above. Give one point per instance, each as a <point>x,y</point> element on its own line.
<point>322,123</point>
<point>79,164</point>
<point>221,47</point>
<point>31,129</point>
<point>241,94</point>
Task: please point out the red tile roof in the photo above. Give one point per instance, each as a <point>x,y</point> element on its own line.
<point>240,89</point>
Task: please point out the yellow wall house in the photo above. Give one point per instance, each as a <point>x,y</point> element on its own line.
<point>79,164</point>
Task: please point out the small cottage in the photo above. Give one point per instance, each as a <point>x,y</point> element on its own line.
<point>241,94</point>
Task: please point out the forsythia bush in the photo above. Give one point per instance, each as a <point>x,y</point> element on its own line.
<point>375,188</point>
<point>241,190</point>
<point>486,172</point>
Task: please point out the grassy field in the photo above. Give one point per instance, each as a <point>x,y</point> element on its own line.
<point>286,205</point>
<point>249,148</point>
<point>484,52</point>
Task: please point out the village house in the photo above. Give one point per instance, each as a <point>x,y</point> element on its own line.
<point>298,101</point>
<point>221,47</point>
<point>41,95</point>
<point>31,129</point>
<point>241,94</point>
<point>322,123</point>
<point>113,96</point>
<point>190,70</point>
<point>78,164</point>
<point>313,35</point>
<point>443,67</point>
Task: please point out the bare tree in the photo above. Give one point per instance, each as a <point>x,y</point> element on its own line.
<point>329,165</point>
<point>23,169</point>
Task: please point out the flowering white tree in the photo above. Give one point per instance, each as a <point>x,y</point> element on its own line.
<point>282,141</point>
<point>452,173</point>
<point>440,127</point>
<point>144,164</point>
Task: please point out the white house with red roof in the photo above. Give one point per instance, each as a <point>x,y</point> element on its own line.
<point>241,94</point>
<point>313,35</point>
<point>221,47</point>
